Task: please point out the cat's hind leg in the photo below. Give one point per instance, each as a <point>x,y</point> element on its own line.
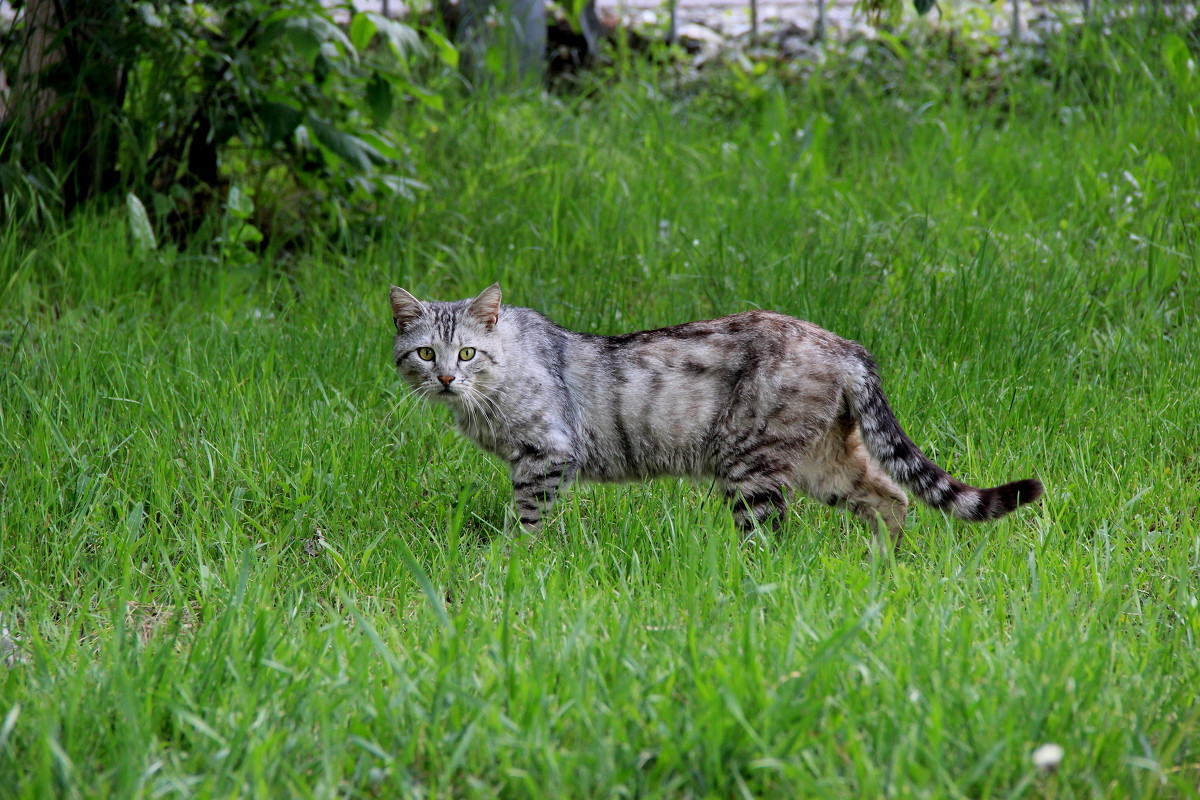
<point>757,489</point>
<point>843,474</point>
<point>768,505</point>
<point>881,503</point>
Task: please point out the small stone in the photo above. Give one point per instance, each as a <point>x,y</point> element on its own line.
<point>700,41</point>
<point>795,46</point>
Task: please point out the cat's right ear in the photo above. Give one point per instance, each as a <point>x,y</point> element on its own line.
<point>406,309</point>
<point>486,308</point>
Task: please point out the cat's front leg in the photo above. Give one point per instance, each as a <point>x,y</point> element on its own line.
<point>536,478</point>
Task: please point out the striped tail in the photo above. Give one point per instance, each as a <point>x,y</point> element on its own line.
<point>886,441</point>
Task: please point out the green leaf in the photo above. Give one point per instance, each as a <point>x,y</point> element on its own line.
<point>379,99</point>
<point>239,204</point>
<point>383,145</point>
<point>1178,60</point>
<point>400,186</point>
<point>404,40</point>
<point>302,39</point>
<point>1158,168</point>
<point>307,34</point>
<point>150,17</point>
<point>208,18</point>
<point>139,224</point>
<point>279,121</point>
<point>895,45</point>
<point>362,31</point>
<point>245,234</point>
<point>446,51</point>
<point>426,97</point>
<point>575,12</point>
<point>351,149</point>
<point>923,6</point>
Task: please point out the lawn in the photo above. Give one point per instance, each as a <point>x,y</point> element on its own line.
<point>236,559</point>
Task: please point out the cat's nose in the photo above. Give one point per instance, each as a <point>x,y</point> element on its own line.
<point>446,379</point>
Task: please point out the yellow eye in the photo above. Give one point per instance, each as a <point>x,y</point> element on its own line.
<point>466,354</point>
<point>426,353</point>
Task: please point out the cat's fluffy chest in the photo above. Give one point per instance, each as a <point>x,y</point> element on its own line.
<point>521,416</point>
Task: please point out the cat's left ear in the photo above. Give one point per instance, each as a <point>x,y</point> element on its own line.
<point>405,308</point>
<point>485,309</point>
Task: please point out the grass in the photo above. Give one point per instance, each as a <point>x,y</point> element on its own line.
<point>240,561</point>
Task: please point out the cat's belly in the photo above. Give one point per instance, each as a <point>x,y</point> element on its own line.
<point>635,447</point>
<point>644,470</point>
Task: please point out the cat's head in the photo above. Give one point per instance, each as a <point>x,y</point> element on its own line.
<point>448,352</point>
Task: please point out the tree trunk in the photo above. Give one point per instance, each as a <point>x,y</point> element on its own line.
<point>69,80</point>
<point>29,103</point>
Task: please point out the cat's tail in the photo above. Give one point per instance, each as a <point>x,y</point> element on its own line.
<point>900,458</point>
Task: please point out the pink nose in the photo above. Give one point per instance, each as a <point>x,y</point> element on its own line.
<point>446,379</point>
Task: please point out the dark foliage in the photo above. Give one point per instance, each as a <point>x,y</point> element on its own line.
<point>271,112</point>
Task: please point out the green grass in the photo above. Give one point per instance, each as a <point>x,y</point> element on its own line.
<point>173,433</point>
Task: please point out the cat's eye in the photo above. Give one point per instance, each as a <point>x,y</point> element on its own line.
<point>466,354</point>
<point>426,353</point>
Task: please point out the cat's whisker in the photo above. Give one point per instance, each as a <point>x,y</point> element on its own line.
<point>488,402</point>
<point>495,418</point>
<point>481,407</point>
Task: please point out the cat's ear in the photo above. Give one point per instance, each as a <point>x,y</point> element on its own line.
<point>485,309</point>
<point>405,308</point>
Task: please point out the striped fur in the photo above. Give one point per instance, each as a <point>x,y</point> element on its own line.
<point>764,403</point>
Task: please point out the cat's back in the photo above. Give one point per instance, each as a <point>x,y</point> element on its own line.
<point>731,341</point>
<point>658,401</point>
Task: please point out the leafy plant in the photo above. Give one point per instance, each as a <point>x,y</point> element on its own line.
<point>200,105</point>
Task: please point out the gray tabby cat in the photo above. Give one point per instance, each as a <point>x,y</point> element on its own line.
<point>762,402</point>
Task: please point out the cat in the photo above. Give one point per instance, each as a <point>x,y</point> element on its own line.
<point>763,403</point>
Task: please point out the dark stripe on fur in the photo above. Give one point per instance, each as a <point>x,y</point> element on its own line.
<point>757,507</point>
<point>529,450</point>
<point>773,497</point>
<point>623,436</point>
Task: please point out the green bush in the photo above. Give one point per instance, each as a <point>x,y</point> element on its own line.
<point>267,116</point>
